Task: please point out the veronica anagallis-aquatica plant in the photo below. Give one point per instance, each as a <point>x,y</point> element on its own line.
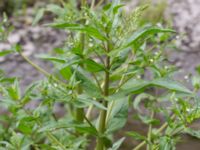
<point>98,78</point>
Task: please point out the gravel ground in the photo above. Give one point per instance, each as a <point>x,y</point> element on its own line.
<point>35,40</point>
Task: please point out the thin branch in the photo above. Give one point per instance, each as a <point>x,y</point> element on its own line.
<point>48,75</point>
<point>91,125</point>
<point>92,4</point>
<point>49,135</point>
<point>100,2</point>
<point>35,66</point>
<point>149,147</point>
<point>158,131</point>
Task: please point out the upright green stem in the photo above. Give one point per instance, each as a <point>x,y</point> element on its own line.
<point>149,147</point>
<point>83,2</point>
<point>103,113</point>
<point>79,114</point>
<point>110,107</point>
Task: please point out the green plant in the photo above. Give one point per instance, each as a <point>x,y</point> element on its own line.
<point>155,12</point>
<point>98,75</point>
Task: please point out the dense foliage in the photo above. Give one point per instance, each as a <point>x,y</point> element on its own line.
<point>108,66</point>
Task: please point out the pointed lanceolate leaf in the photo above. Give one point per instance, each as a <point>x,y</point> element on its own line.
<point>91,31</point>
<point>66,72</point>
<point>171,85</point>
<point>55,126</point>
<point>51,58</point>
<point>136,135</point>
<point>56,9</point>
<point>5,52</point>
<point>118,116</point>
<point>88,101</point>
<point>134,86</point>
<point>93,66</point>
<point>90,87</point>
<point>117,144</point>
<point>82,128</point>
<point>139,98</point>
<point>38,17</point>
<point>192,132</point>
<point>146,31</point>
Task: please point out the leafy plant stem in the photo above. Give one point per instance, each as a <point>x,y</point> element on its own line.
<point>120,84</point>
<point>158,131</point>
<point>80,111</point>
<point>149,147</point>
<point>103,113</point>
<point>83,3</point>
<point>48,134</point>
<point>54,140</point>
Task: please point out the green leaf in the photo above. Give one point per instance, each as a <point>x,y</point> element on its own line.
<point>39,16</point>
<point>56,9</point>
<point>92,66</point>
<point>5,52</point>
<point>171,85</point>
<point>117,144</point>
<point>140,34</point>
<point>166,143</point>
<point>192,132</point>
<point>50,58</point>
<point>68,26</point>
<point>86,129</point>
<point>88,101</point>
<point>107,7</point>
<point>136,135</point>
<point>14,91</point>
<point>147,30</point>
<point>134,86</point>
<point>27,95</point>
<point>118,116</point>
<point>26,124</point>
<point>91,31</point>
<point>139,98</point>
<point>87,84</point>
<point>116,8</point>
<point>148,120</point>
<point>66,72</point>
<point>52,126</point>
<point>82,128</point>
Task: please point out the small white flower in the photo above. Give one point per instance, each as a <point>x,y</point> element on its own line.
<point>177,37</point>
<point>166,67</point>
<point>186,77</point>
<point>90,44</point>
<point>138,76</point>
<point>151,60</point>
<point>156,53</point>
